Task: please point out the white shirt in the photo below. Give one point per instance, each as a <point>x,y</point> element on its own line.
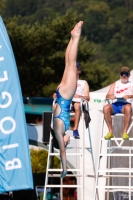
<point>122,89</point>
<point>80,90</point>
<point>80,87</point>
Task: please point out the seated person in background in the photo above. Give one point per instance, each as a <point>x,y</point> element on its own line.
<point>66,191</point>
<point>69,193</point>
<point>122,92</point>
<point>82,92</point>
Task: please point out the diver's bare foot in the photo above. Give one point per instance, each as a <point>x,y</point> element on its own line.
<point>63,174</point>
<point>77,29</point>
<point>72,32</point>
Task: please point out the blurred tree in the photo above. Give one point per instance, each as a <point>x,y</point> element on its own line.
<point>98,75</point>
<point>39,43</point>
<point>117,3</point>
<point>32,11</point>
<point>39,51</point>
<point>2,6</point>
<point>21,7</point>
<point>39,160</point>
<point>119,47</point>
<point>96,17</point>
<point>31,45</point>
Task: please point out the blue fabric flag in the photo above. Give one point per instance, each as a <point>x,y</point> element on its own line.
<point>15,165</point>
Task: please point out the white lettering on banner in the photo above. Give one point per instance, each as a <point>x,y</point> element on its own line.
<point>13,164</point>
<point>16,162</point>
<point>10,146</point>
<point>7,131</point>
<point>4,94</point>
<point>5,78</point>
<point>1,58</point>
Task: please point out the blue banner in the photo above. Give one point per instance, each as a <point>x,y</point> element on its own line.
<point>15,165</point>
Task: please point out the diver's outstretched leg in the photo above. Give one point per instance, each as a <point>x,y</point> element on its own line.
<point>76,32</point>
<point>68,89</point>
<point>66,62</point>
<point>59,131</point>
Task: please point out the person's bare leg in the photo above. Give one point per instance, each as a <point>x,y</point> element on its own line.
<point>127,111</point>
<point>71,75</point>
<point>108,110</point>
<point>66,62</point>
<point>77,115</point>
<point>58,127</point>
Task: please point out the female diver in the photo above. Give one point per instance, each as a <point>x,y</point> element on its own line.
<point>64,94</point>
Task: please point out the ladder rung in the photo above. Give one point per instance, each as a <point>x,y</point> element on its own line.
<point>116,190</point>
<point>79,148</point>
<point>109,176</point>
<point>116,170</point>
<point>60,170</point>
<point>71,154</point>
<point>120,147</point>
<point>120,187</point>
<point>115,154</point>
<point>64,186</point>
<point>91,176</point>
<point>69,175</point>
<point>71,138</point>
<point>117,139</point>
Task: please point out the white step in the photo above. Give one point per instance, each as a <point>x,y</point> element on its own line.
<point>108,176</point>
<point>68,154</point>
<point>116,139</point>
<point>115,154</point>
<point>125,170</point>
<point>119,187</point>
<point>64,186</point>
<point>72,175</point>
<point>120,148</point>
<point>69,175</point>
<point>60,170</point>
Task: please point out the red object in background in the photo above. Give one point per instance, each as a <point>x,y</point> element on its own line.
<point>75,193</point>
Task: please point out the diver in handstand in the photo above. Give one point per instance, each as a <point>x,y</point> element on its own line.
<point>64,94</point>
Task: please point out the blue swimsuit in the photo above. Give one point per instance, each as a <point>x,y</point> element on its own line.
<point>65,109</point>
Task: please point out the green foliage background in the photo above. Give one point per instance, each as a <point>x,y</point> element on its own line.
<point>39,160</point>
<point>40,30</point>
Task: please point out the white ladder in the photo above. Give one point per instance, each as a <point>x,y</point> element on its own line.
<point>77,172</point>
<point>109,151</point>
